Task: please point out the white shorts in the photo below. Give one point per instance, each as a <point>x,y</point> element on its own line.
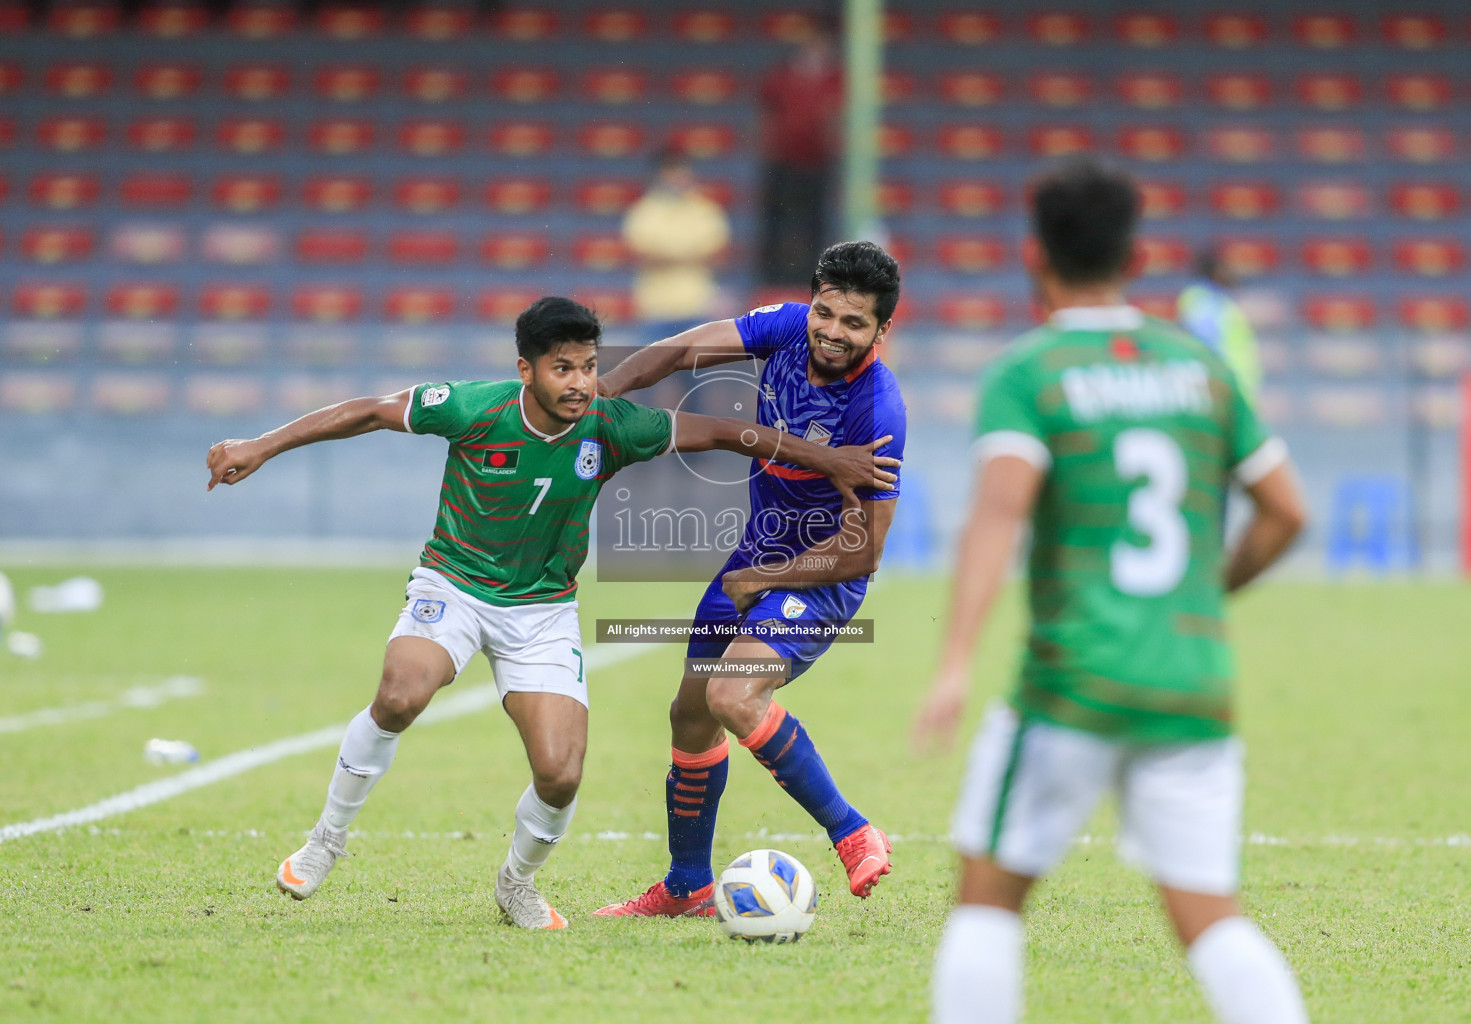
<point>1029,791</point>
<point>534,648</point>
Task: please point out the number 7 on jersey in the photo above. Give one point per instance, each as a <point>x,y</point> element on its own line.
<point>545,483</point>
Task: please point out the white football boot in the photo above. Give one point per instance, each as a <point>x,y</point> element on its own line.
<point>301,873</point>
<point>523,904</point>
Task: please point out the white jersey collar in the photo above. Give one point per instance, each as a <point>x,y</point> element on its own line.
<point>1097,318</point>
<point>521,405</point>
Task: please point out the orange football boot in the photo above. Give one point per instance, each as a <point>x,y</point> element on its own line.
<point>865,854</point>
<point>658,901</point>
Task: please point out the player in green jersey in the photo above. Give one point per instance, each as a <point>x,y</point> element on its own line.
<point>1115,437</point>
<point>526,461</point>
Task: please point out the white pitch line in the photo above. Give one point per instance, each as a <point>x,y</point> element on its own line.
<point>174,688</point>
<point>454,705</point>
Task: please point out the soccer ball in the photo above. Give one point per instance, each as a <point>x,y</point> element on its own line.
<point>766,896</point>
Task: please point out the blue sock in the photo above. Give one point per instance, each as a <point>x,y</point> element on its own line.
<point>691,798</point>
<point>784,749</point>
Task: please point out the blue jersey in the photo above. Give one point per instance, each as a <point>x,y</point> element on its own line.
<point>793,508</point>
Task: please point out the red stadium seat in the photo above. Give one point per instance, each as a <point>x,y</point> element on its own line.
<point>971,88</point>
<point>1334,200</point>
<point>607,197</point>
<point>1434,314</point>
<point>7,132</point>
<point>257,83</point>
<point>615,25</point>
<point>969,198</point>
<point>83,20</point>
<point>156,190</point>
<point>1158,255</point>
<point>57,245</point>
<point>1245,200</point>
<point>341,136</point>
<point>1420,93</point>
<point>434,85</point>
<point>267,20</point>
<point>71,134</point>
<point>898,26</point>
<point>147,244</point>
<point>246,193</point>
<point>610,138</point>
<point>1332,145</point>
<point>1239,90</point>
<point>503,305</point>
<point>65,191</point>
<point>787,26</point>
<point>599,252</point>
<point>346,83</point>
<point>75,81</point>
<point>1425,200</point>
<point>612,306</point>
<point>1421,144</point>
<point>1337,257</point>
<point>902,249</point>
<point>894,198</point>
<point>350,21</point>
<point>527,24</point>
<point>424,248</point>
<point>327,303</point>
<point>970,28</point>
<point>241,244</point>
<point>704,86</point>
<point>895,140</point>
<point>704,26</point>
<point>972,311</point>
<point>438,137</point>
<point>419,305</point>
<point>1152,143</point>
<point>1430,257</point>
<point>337,193</point>
<point>332,245</point>
<point>1059,140</point>
<point>427,195</point>
<point>1059,90</point>
<point>525,85</point>
<point>703,141</point>
<point>224,394</point>
<point>249,135</point>
<point>167,81</point>
<point>614,86</point>
<point>721,193</point>
<point>38,392</point>
<point>1236,31</point>
<point>521,138</point>
<point>518,195</point>
<point>1249,257</point>
<point>1146,31</point>
<point>897,87</point>
<point>439,22</point>
<point>152,301</point>
<point>971,141</point>
<point>971,254</point>
<point>1058,28</point>
<point>131,394</point>
<point>48,300</point>
<point>1161,200</point>
<point>14,18</point>
<point>1149,90</point>
<point>235,302</point>
<point>1240,145</point>
<point>172,20</point>
<point>1330,92</point>
<point>1414,31</point>
<point>161,134</point>
<point>1325,31</point>
<point>12,77</point>
<point>1339,312</point>
<point>515,251</point>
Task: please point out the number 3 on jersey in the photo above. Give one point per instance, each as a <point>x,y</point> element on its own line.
<point>545,483</point>
<point>1154,510</point>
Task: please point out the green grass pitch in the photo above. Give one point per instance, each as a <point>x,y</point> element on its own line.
<point>1355,704</point>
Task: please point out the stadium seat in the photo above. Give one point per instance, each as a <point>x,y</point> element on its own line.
<point>7,132</point>
<point>1430,257</point>
<point>423,248</point>
<point>1249,257</point>
<point>1060,90</point>
<point>1420,93</point>
<point>78,81</point>
<point>131,394</point>
<point>167,81</point>
<point>1334,200</point>
<point>234,302</point>
<point>439,22</point>
<point>12,77</point>
<point>787,26</point>
<point>65,191</point>
<point>161,134</point>
<point>1236,31</point>
<point>971,254</point>
<point>521,138</point>
<point>607,197</point>
<point>972,311</point>
<point>143,301</point>
<point>71,134</point>
<point>1433,314</point>
<point>1156,304</point>
<point>50,245</point>
<point>971,88</point>
<point>1146,31</point>
<point>1058,28</point>
<point>49,301</point>
<point>1339,312</point>
<point>1051,141</point>
<point>1240,145</point>
<point>599,252</point>
<point>1325,31</point>
<point>703,141</point>
<point>703,87</point>
<point>518,195</point>
<point>147,244</point>
<point>158,191</point>
<point>332,246</point>
<point>894,198</point>
<point>241,244</point>
<point>1158,255</point>
<point>350,83</point>
<point>895,140</point>
<point>1414,31</point>
<point>615,86</point>
<point>136,343</point>
<point>1332,145</point>
<point>250,135</point>
<point>431,138</point>
<point>1337,257</point>
<point>610,138</point>
<point>1151,143</point>
<point>341,136</point>
<point>337,194</point>
<point>514,251</point>
<point>261,20</point>
<point>970,28</point>
<point>897,87</point>
<point>1246,200</point>
<point>1161,199</point>
<point>525,85</point>
<point>173,20</point>
<point>898,26</point>
<point>707,26</point>
<point>351,22</point>
<point>1148,90</point>
<point>1237,90</point>
<point>527,24</point>
<point>615,25</point>
<point>434,84</point>
<point>427,195</point>
<point>257,83</point>
<point>418,305</point>
<point>37,392</point>
<point>224,395</point>
<point>613,307</point>
<point>14,18</point>
<point>325,304</point>
<point>971,141</point>
<point>721,193</point>
<point>1329,92</point>
<point>246,193</point>
<point>83,20</point>
<point>1421,144</point>
<point>503,305</point>
<point>971,198</point>
<point>1425,200</point>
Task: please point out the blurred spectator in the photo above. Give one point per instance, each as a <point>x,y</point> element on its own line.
<point>1207,310</point>
<point>675,233</point>
<point>801,108</point>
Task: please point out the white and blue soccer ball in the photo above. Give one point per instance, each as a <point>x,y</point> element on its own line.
<point>766,896</point>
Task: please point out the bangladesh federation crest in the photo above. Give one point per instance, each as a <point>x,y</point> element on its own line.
<point>589,459</point>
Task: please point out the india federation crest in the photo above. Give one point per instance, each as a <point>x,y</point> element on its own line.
<point>793,606</point>
<point>589,459</point>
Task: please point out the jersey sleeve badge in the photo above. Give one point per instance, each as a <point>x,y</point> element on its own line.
<point>589,459</point>
<point>433,396</point>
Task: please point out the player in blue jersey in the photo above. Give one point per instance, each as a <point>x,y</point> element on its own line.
<point>801,568</point>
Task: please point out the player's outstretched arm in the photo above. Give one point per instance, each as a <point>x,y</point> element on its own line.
<point>1005,492</point>
<point>848,467</point>
<point>706,345</point>
<point>231,461</point>
<point>1278,516</point>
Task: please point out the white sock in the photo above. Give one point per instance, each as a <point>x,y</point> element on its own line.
<point>1245,977</point>
<point>978,967</point>
<point>364,756</point>
<point>539,827</point>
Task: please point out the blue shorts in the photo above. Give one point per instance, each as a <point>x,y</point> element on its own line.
<point>777,613</point>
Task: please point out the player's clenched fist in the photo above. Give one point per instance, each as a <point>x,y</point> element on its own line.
<point>231,461</point>
<point>855,466</point>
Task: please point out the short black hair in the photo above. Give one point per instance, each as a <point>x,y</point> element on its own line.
<point>1084,213</point>
<point>862,268</point>
<point>551,321</point>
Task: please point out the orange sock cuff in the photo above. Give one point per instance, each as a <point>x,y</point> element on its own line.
<point>710,757</point>
<point>770,722</point>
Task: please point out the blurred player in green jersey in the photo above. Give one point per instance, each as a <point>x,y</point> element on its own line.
<point>526,460</point>
<point>1114,437</point>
